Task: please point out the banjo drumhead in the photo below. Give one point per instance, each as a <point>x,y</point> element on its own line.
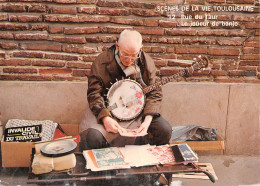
<point>127,99</point>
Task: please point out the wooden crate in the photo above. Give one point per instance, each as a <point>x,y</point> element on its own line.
<point>205,145</point>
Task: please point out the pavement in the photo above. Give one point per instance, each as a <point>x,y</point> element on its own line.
<point>230,171</point>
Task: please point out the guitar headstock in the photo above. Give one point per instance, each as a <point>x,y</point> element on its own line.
<point>200,62</point>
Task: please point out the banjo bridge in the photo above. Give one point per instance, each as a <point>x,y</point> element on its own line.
<point>112,107</point>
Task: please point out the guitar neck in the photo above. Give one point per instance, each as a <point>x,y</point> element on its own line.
<point>187,71</point>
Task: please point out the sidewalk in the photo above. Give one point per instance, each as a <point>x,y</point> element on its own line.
<point>230,170</point>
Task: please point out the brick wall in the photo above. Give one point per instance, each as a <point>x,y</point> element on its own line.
<point>57,40</point>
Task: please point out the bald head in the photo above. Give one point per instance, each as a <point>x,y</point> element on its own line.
<point>130,39</point>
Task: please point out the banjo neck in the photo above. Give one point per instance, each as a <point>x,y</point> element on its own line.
<point>202,63</point>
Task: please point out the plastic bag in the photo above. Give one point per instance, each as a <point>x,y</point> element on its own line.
<point>193,133</point>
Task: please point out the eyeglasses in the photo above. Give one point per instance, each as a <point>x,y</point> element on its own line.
<point>130,57</point>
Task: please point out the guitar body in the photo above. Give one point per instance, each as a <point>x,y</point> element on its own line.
<point>126,98</point>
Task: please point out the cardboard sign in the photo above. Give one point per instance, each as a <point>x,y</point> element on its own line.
<point>23,134</point>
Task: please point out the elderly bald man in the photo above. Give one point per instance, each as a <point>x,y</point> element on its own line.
<point>125,59</point>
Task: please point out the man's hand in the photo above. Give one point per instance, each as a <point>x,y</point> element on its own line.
<point>145,125</point>
<point>110,124</point>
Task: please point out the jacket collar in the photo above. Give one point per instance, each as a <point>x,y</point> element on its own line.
<point>112,66</point>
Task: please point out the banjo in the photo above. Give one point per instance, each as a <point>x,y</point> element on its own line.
<point>126,98</point>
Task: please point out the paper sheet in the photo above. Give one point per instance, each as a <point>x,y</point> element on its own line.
<point>163,153</point>
<point>138,156</point>
<point>103,163</point>
<point>131,133</point>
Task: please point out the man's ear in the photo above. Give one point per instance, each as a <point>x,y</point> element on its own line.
<point>141,49</point>
<point>117,46</point>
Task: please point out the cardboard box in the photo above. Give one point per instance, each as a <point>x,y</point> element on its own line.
<point>18,154</point>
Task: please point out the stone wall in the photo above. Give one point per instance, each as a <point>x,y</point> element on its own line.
<point>57,40</point>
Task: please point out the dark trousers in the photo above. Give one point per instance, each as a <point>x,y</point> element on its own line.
<point>159,133</point>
